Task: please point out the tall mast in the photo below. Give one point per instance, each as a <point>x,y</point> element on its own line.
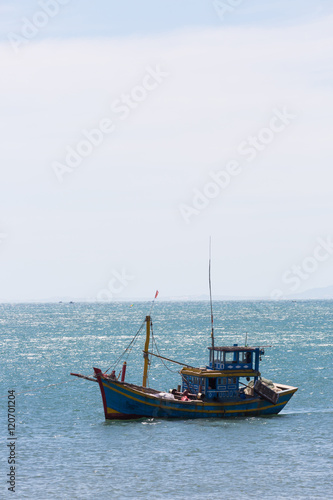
<point>145,353</point>
<point>211,304</point>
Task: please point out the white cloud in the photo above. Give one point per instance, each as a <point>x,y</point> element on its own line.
<point>120,208</point>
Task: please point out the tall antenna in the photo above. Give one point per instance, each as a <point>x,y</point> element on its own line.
<point>211,303</point>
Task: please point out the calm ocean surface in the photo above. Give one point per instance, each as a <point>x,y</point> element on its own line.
<point>66,450</point>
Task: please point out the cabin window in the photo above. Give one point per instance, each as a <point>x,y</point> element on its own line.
<point>247,357</point>
<point>217,356</point>
<point>222,381</point>
<point>212,383</point>
<point>228,357</point>
<point>232,380</point>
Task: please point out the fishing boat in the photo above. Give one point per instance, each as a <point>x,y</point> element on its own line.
<point>230,385</point>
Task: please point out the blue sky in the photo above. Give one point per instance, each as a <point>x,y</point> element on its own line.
<point>109,18</point>
<point>185,97</point>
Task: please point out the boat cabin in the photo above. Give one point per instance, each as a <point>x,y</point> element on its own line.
<point>220,379</point>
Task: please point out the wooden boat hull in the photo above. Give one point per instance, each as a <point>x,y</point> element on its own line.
<point>125,401</point>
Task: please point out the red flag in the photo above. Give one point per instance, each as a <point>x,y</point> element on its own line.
<point>156,294</point>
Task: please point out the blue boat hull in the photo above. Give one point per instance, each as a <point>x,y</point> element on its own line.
<point>124,401</point>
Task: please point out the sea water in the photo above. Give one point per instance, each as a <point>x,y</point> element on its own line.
<point>64,449</point>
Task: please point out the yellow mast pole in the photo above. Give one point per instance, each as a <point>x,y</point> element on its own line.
<point>145,353</point>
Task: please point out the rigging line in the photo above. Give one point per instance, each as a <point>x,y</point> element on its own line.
<point>186,382</point>
<point>172,361</point>
<point>130,349</point>
<point>127,348</point>
<point>131,344</point>
<point>153,302</point>
<point>161,357</point>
